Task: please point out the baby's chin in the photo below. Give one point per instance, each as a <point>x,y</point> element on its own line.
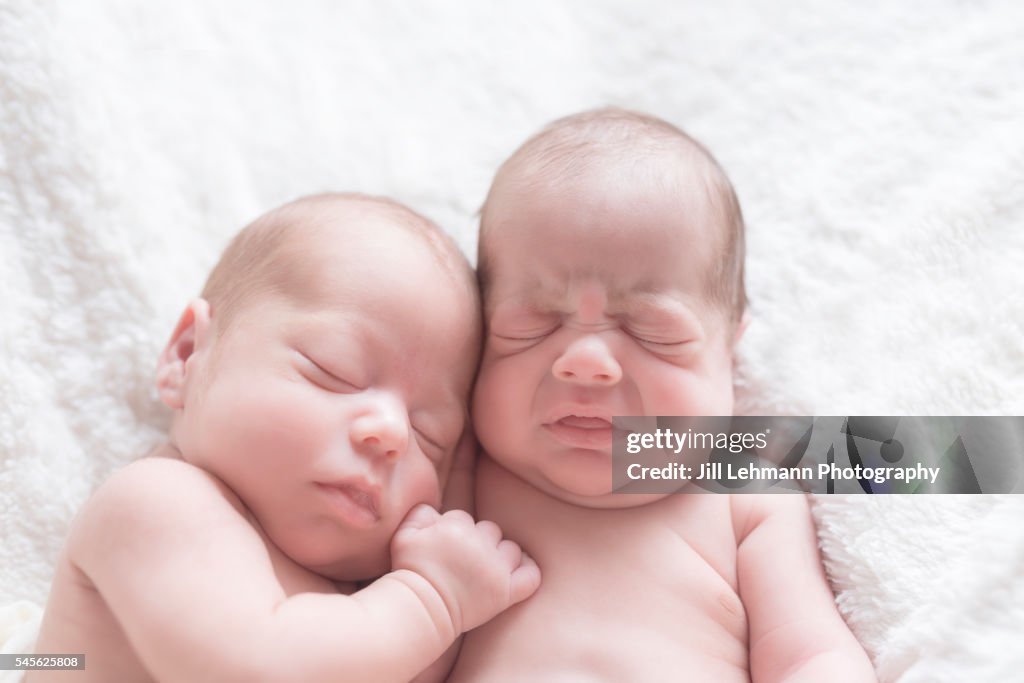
<point>363,564</point>
<point>590,487</point>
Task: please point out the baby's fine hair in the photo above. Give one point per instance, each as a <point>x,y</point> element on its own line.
<point>257,261</point>
<point>568,147</point>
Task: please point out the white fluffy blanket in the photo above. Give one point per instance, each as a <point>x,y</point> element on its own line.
<point>877,149</point>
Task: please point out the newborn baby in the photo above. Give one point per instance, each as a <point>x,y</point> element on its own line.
<point>319,389</point>
<point>611,265</point>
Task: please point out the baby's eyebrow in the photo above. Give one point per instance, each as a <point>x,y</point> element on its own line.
<point>655,308</point>
<point>532,302</point>
<point>658,310</point>
<point>650,306</point>
<point>541,297</point>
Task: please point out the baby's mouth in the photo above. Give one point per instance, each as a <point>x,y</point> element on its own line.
<point>361,497</point>
<point>585,422</point>
<point>579,431</point>
<point>356,502</point>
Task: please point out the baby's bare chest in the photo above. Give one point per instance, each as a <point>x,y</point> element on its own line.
<point>636,594</point>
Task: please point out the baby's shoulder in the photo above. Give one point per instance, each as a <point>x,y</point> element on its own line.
<point>153,495</point>
<point>753,511</point>
<point>161,480</point>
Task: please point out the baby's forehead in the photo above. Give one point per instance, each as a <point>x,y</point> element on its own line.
<point>420,334</point>
<point>615,202</point>
<point>629,236</point>
<point>631,297</point>
<point>334,253</point>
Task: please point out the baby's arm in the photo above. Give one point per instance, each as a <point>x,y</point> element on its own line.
<point>191,583</point>
<point>458,495</point>
<point>796,632</point>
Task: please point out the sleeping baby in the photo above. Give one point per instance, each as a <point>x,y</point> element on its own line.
<point>318,389</point>
<point>611,265</point>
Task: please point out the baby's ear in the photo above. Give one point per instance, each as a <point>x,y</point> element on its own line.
<point>191,332</point>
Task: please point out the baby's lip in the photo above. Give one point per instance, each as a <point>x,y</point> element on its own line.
<point>354,498</point>
<point>581,426</point>
<point>584,417</point>
<point>585,422</point>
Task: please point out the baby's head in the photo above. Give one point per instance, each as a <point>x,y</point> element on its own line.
<point>611,265</point>
<point>323,376</point>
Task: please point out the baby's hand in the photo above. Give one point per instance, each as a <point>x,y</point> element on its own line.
<point>475,571</point>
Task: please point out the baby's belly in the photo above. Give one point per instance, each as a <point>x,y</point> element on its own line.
<point>644,593</point>
<point>645,626</point>
<point>590,651</point>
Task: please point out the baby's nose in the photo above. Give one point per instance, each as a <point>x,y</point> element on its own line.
<point>380,432</point>
<point>588,361</point>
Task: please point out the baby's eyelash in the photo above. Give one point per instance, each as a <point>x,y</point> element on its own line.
<point>440,451</point>
<point>527,336</point>
<point>534,338</point>
<point>660,345</point>
<point>428,439</point>
<point>329,376</point>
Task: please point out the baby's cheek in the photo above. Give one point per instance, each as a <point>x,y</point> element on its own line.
<point>421,485</point>
<point>290,418</point>
<point>500,402</point>
<point>276,427</point>
<point>678,392</point>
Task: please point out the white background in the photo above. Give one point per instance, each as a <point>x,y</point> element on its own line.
<point>877,149</point>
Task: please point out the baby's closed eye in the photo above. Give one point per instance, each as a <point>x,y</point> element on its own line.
<point>524,330</point>
<point>432,447</point>
<point>435,436</point>
<point>660,342</point>
<point>523,322</point>
<point>523,337</point>
<point>324,378</point>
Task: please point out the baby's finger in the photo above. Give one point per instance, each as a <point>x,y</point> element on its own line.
<point>510,553</point>
<point>525,580</point>
<point>420,517</point>
<point>460,518</point>
<point>490,531</point>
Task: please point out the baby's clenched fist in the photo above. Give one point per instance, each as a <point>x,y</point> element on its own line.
<point>477,573</point>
